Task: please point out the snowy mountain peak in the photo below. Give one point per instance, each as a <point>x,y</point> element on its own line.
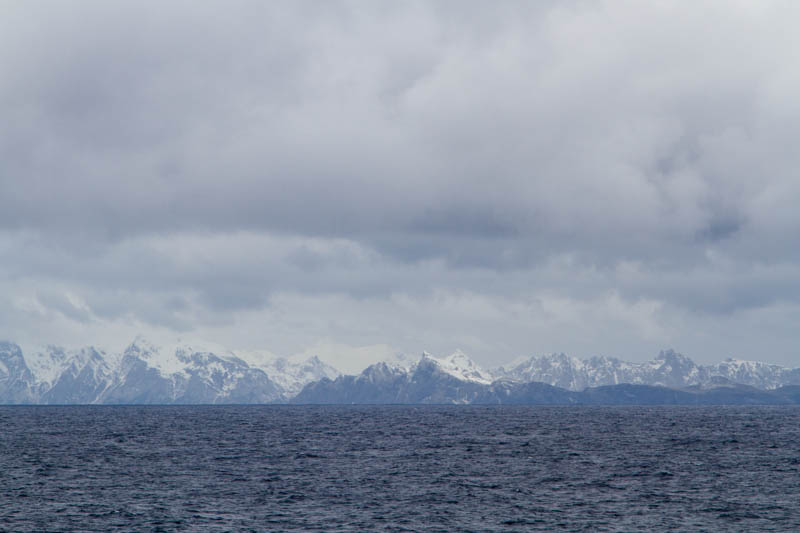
<point>141,348</point>
<point>165,360</point>
<point>462,367</point>
<point>315,368</point>
<point>382,372</point>
<point>47,363</point>
<point>12,362</point>
<point>293,376</point>
<point>10,352</point>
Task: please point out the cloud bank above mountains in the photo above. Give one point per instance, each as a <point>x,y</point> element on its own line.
<point>611,177</point>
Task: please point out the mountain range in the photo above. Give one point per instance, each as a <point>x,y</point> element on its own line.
<point>669,369</point>
<point>148,374</point>
<point>145,373</point>
<point>670,378</point>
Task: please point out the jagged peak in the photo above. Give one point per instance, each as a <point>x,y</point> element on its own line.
<point>166,360</point>
<point>318,368</point>
<point>458,365</point>
<point>460,358</point>
<point>382,370</point>
<point>536,361</point>
<point>10,349</point>
<point>11,359</point>
<point>141,347</point>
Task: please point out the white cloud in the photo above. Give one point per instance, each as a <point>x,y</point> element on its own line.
<point>595,178</point>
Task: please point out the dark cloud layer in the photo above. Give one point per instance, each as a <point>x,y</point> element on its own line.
<point>178,165</point>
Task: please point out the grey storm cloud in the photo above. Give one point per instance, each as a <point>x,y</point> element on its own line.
<point>181,162</point>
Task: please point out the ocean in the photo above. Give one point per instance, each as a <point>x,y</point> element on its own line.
<point>399,468</point>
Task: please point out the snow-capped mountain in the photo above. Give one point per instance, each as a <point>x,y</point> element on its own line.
<point>461,367</point>
<point>17,384</point>
<point>453,379</point>
<point>669,369</point>
<point>145,372</point>
<point>148,373</point>
<point>73,377</point>
<point>755,373</point>
<point>292,377</point>
<point>669,378</point>
<point>436,381</point>
<point>186,375</point>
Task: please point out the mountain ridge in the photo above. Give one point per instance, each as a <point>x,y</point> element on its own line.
<point>669,368</point>
<point>190,373</point>
<point>147,373</point>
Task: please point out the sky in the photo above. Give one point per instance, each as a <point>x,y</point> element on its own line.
<point>358,179</point>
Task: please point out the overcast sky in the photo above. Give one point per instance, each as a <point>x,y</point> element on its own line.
<point>505,178</point>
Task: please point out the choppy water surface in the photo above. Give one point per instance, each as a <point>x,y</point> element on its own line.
<point>399,468</point>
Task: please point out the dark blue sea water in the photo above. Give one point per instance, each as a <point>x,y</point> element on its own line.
<point>287,468</point>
